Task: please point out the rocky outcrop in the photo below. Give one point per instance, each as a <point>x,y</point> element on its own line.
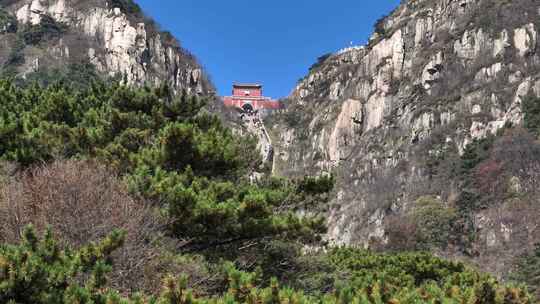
<point>436,76</point>
<point>117,43</point>
<point>252,124</point>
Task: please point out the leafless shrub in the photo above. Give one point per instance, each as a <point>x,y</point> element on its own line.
<point>401,233</point>
<point>381,189</point>
<point>513,167</point>
<point>83,202</point>
<point>512,229</point>
<point>7,170</point>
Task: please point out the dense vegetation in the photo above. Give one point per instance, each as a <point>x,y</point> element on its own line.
<point>495,177</point>
<point>46,30</point>
<point>24,35</point>
<point>168,151</point>
<point>47,50</point>
<point>531,109</point>
<point>529,270</point>
<point>173,154</point>
<point>41,271</point>
<point>93,158</point>
<point>8,23</point>
<point>78,74</point>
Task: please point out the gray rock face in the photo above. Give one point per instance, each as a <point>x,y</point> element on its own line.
<point>252,124</point>
<point>116,42</point>
<point>443,73</point>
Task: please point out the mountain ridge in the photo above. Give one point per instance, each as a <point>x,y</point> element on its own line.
<point>430,133</point>
<point>114,36</point>
<point>393,120</point>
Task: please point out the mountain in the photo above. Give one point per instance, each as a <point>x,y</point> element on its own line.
<point>112,37</point>
<point>430,131</point>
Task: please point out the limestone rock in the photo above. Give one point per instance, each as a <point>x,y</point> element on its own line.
<point>525,39</point>
<point>116,43</point>
<point>439,75</point>
<point>348,123</point>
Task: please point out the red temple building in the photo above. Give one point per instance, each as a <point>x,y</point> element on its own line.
<point>249,96</point>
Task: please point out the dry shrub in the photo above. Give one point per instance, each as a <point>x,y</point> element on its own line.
<point>513,167</point>
<point>489,177</point>
<point>83,202</point>
<point>401,233</point>
<point>513,228</point>
<point>509,182</point>
<point>519,151</point>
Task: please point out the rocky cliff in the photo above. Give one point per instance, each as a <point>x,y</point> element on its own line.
<point>396,119</point>
<point>112,35</point>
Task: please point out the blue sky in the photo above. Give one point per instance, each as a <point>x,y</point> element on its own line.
<point>273,42</point>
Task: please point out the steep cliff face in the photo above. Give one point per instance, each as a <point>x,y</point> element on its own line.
<point>436,76</point>
<point>114,36</point>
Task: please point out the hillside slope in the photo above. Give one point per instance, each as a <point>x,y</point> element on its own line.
<point>429,111</point>
<point>113,36</point>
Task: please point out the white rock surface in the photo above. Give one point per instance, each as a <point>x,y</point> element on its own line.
<point>525,39</point>
<point>122,47</point>
<point>435,79</point>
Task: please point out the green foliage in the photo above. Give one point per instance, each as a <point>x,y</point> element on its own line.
<point>8,23</point>
<point>475,175</point>
<point>78,75</point>
<point>28,34</point>
<point>429,225</point>
<point>531,119</point>
<point>221,213</point>
<point>169,151</point>
<point>528,271</point>
<point>317,185</point>
<point>194,169</point>
<point>47,29</point>
<point>15,58</point>
<point>475,153</point>
<point>320,61</point>
<point>128,7</point>
<point>408,278</point>
<point>292,118</point>
<point>379,27</point>
<point>38,271</point>
<point>433,221</point>
<point>404,270</point>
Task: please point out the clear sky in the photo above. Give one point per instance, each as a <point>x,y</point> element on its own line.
<point>273,42</point>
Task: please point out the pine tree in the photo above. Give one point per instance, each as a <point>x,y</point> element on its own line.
<point>38,271</point>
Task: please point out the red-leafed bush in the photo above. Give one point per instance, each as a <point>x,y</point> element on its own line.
<point>512,167</point>
<point>489,177</point>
